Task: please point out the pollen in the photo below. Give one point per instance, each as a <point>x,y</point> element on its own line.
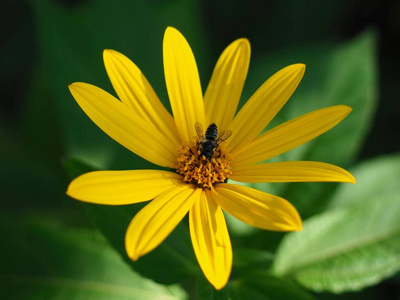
<point>196,169</point>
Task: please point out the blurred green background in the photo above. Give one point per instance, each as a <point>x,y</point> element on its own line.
<point>56,248</point>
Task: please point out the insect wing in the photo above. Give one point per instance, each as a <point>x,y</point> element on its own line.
<point>199,130</point>
<point>223,136</point>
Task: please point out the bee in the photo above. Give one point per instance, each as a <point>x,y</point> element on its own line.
<point>212,140</point>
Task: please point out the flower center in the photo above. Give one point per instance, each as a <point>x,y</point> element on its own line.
<point>197,169</point>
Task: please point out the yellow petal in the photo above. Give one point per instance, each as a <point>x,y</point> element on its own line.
<point>257,208</point>
<point>261,108</point>
<point>292,171</point>
<point>135,91</point>
<point>124,125</point>
<point>122,187</point>
<point>156,220</point>
<point>291,134</point>
<point>210,239</point>
<point>183,83</point>
<point>225,88</point>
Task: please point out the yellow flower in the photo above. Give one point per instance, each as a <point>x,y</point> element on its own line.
<point>197,184</point>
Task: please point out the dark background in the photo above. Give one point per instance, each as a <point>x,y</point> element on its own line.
<point>269,25</point>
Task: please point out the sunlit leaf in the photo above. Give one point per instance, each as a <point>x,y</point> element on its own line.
<point>345,249</point>
<point>376,177</point>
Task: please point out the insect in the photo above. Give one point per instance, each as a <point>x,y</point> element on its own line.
<point>212,140</point>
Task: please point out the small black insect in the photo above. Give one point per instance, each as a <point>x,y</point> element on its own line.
<point>212,140</point>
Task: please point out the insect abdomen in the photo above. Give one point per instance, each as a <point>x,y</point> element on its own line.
<point>212,132</point>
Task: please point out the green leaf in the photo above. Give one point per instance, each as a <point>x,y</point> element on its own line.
<point>345,249</point>
<point>43,259</point>
<point>39,127</point>
<point>26,182</point>
<point>375,177</point>
<point>251,259</point>
<point>172,261</point>
<point>74,167</point>
<point>263,286</point>
<point>250,280</point>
